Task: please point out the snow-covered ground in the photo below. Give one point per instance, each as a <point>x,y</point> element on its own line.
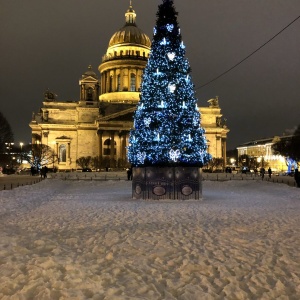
<point>76,239</point>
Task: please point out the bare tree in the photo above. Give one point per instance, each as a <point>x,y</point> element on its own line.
<point>289,146</point>
<point>216,163</point>
<point>38,155</point>
<point>84,161</point>
<point>6,134</point>
<point>97,162</point>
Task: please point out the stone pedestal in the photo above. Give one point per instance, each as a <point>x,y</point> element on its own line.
<point>174,183</point>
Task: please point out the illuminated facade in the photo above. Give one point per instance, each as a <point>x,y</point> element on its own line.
<point>99,123</point>
<point>262,151</point>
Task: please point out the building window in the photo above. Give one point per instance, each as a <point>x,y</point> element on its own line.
<point>132,82</point>
<point>62,153</point>
<point>107,147</point>
<point>110,84</point>
<point>119,83</point>
<point>89,94</point>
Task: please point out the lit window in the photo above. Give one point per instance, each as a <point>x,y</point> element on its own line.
<point>62,153</point>
<point>132,82</point>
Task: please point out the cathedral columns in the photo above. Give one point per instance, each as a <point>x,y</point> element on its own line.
<point>125,80</point>
<point>129,77</point>
<point>136,79</point>
<point>224,149</point>
<point>123,138</point>
<point>139,79</point>
<point>105,82</point>
<point>112,145</point>
<point>100,142</point>
<point>114,85</point>
<point>82,92</point>
<point>69,152</point>
<point>121,79</point>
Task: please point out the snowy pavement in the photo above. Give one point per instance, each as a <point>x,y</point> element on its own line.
<point>80,239</point>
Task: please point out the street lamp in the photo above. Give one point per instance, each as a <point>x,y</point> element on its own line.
<point>232,161</point>
<point>9,146</point>
<point>21,155</point>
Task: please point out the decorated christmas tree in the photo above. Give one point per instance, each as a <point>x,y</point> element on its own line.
<point>167,130</point>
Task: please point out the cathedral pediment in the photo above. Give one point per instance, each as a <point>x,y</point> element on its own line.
<point>63,137</point>
<point>89,79</point>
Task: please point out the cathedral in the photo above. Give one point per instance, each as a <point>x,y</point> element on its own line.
<point>98,124</point>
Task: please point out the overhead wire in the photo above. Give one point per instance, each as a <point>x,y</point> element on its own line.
<point>237,64</point>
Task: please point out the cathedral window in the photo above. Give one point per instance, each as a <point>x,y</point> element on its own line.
<point>119,83</point>
<point>110,83</point>
<point>107,147</point>
<point>89,94</point>
<point>132,83</point>
<point>62,153</point>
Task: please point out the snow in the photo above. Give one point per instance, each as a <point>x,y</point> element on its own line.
<point>87,239</point>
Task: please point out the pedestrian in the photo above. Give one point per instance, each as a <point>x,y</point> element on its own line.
<point>32,171</point>
<point>262,173</point>
<point>129,174</point>
<point>270,172</point>
<point>297,177</point>
<point>42,172</point>
<point>45,171</point>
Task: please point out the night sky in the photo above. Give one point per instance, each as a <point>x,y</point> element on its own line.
<point>50,43</point>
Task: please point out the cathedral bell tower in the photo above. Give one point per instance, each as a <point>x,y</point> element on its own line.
<point>89,87</point>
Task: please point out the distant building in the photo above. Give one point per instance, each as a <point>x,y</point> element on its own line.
<point>98,124</point>
<point>262,151</point>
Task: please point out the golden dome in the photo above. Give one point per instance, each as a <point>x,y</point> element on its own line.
<point>130,33</point>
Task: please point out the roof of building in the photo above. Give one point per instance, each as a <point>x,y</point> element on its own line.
<point>130,33</point>
<point>264,141</point>
<point>90,72</point>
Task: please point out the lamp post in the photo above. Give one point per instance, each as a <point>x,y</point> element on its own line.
<point>21,154</point>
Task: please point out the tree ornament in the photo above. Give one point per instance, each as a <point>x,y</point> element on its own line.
<point>171,55</point>
<point>174,155</point>
<point>161,105</point>
<point>163,42</point>
<point>141,157</point>
<point>170,27</point>
<point>147,121</point>
<point>172,87</point>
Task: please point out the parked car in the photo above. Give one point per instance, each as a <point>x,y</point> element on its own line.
<point>228,170</point>
<point>86,170</point>
<point>235,170</point>
<point>245,170</point>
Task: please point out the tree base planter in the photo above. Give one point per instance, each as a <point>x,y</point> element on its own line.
<point>174,183</point>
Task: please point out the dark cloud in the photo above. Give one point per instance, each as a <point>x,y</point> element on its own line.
<point>49,44</point>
